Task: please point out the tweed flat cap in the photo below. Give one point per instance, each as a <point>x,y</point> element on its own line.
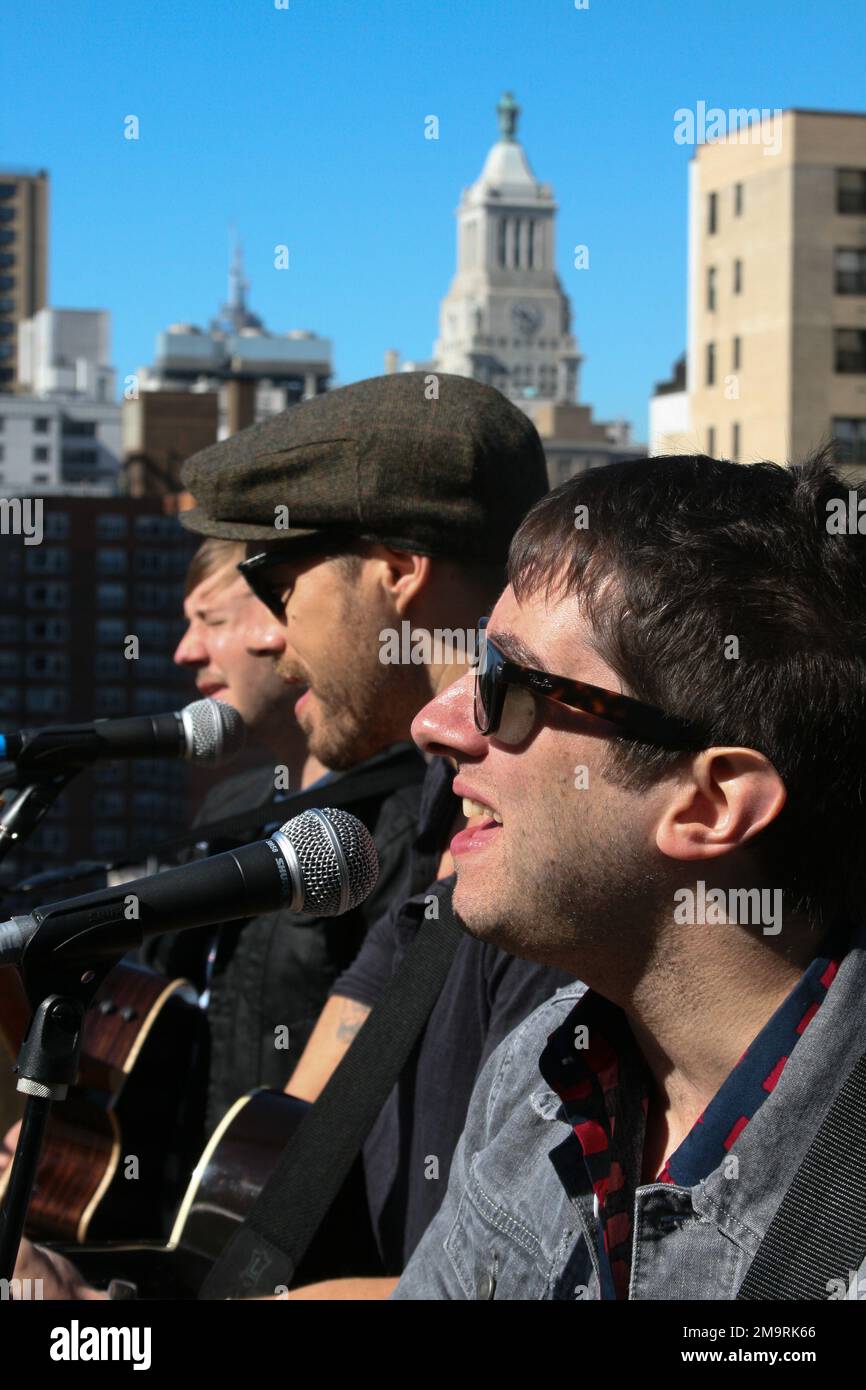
<point>380,460</point>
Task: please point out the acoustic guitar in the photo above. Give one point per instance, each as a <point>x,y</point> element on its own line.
<point>118,1150</point>
<point>238,1159</point>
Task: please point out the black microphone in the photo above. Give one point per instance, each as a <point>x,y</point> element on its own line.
<point>205,731</point>
<point>322,862</point>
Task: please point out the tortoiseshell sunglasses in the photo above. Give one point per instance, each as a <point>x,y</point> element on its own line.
<point>497,712</point>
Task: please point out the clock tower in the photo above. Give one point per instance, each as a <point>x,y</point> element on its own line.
<point>506,320</point>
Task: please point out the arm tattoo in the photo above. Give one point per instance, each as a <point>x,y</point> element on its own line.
<point>351,1017</point>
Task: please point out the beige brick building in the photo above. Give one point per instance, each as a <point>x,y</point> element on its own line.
<point>776,357</point>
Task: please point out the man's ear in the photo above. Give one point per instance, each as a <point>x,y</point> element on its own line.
<point>723,799</point>
<point>404,576</point>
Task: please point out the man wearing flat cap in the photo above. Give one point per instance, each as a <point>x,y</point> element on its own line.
<point>372,507</point>
<point>378,508</point>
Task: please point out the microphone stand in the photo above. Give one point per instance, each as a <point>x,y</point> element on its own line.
<point>24,807</point>
<point>60,979</point>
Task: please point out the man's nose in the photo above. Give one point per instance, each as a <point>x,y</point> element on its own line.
<point>190,651</point>
<point>447,725</point>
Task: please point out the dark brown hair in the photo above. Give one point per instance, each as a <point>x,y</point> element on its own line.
<point>680,554</point>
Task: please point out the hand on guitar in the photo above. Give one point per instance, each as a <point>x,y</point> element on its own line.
<point>60,1278</point>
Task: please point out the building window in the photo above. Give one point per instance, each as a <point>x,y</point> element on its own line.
<point>738,199</point>
<point>849,437</point>
<point>47,595</point>
<point>52,559</point>
<point>110,631</point>
<point>51,664</point>
<point>46,699</point>
<point>711,364</point>
<point>107,839</point>
<point>711,442</point>
<point>41,478</point>
<point>530,245</point>
<point>110,699</point>
<point>10,664</point>
<point>110,526</point>
<point>156,528</point>
<point>735,354</point>
<point>711,287</point>
<point>500,242</point>
<point>712,212</point>
<point>851,350</point>
<point>79,427</point>
<point>47,630</point>
<point>111,595</point>
<point>735,442</point>
<point>518,225</point>
<point>41,424</point>
<point>738,277</point>
<point>10,628</point>
<point>851,190</point>
<point>111,560</point>
<point>40,454</point>
<point>850,267</point>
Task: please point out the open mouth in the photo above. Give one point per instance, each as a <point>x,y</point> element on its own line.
<point>483,825</point>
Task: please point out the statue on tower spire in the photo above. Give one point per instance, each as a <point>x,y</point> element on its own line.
<point>508,112</point>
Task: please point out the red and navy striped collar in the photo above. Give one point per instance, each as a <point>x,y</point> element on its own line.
<point>593,1064</point>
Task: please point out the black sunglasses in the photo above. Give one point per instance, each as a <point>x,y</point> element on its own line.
<point>505,705</point>
<point>257,569</point>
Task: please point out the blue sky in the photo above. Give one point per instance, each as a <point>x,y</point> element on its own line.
<point>305,126</point>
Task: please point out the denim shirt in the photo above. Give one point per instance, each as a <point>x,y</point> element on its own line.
<point>519,1218</point>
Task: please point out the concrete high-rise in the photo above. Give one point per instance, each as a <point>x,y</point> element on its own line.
<point>23,260</point>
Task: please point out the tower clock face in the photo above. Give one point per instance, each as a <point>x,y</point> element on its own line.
<point>527,318</point>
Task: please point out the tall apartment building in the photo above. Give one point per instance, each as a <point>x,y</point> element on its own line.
<point>776,357</point>
<point>23,260</point>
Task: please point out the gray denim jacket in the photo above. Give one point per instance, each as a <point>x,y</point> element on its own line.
<point>510,1227</point>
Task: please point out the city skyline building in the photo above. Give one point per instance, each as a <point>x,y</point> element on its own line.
<point>60,430</point>
<point>776,335</point>
<point>23,260</point>
<point>506,319</point>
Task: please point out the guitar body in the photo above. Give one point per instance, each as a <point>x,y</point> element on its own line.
<point>237,1161</point>
<point>119,1147</point>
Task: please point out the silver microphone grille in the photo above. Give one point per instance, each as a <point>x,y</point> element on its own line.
<point>336,859</point>
<point>214,731</point>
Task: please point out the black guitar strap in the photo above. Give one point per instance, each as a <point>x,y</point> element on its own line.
<point>267,1249</point>
<point>818,1234</point>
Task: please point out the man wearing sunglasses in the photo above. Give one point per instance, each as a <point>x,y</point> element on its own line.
<point>402,501</point>
<point>665,741</point>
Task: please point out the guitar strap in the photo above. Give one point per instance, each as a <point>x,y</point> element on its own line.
<point>266,1250</point>
<point>818,1234</point>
